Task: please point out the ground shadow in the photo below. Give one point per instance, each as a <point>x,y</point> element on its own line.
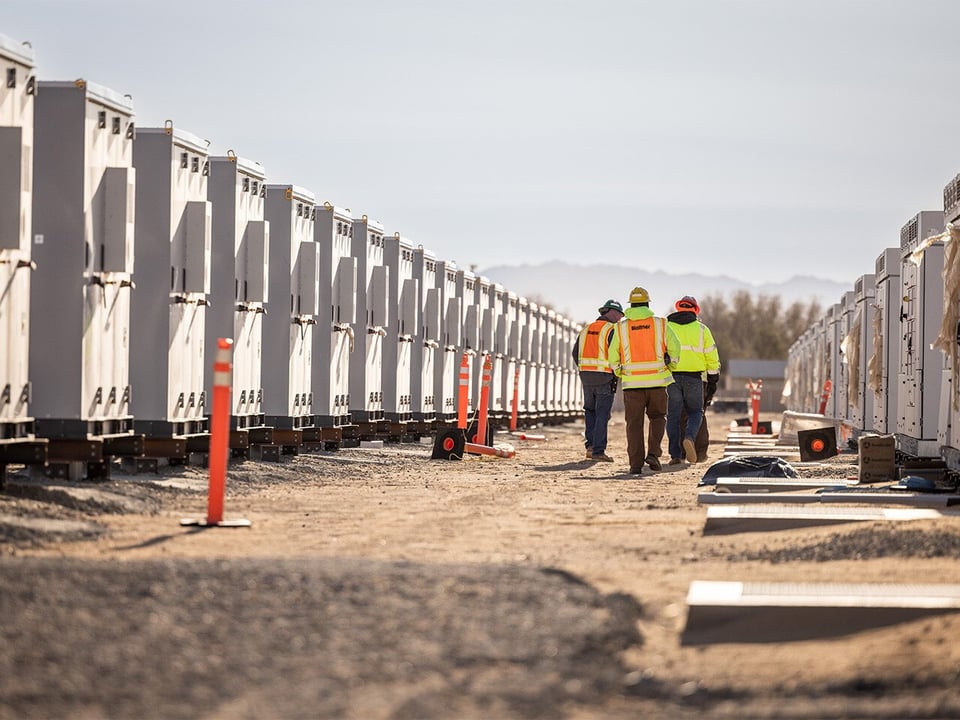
<point>160,539</point>
<point>576,465</point>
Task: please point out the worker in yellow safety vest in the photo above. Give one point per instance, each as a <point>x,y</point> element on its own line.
<point>597,379</point>
<point>695,376</point>
<point>645,349</point>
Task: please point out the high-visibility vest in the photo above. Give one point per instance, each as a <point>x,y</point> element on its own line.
<point>698,351</point>
<point>643,343</point>
<point>593,347</point>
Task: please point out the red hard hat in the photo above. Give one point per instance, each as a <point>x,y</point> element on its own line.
<point>687,302</point>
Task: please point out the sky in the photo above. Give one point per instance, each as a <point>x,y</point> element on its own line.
<point>754,138</point>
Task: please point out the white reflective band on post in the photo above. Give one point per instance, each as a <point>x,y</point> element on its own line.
<point>223,363</point>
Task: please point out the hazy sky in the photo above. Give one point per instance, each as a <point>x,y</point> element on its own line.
<point>756,138</point>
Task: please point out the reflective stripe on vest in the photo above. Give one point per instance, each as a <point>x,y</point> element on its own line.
<point>698,348</point>
<point>641,368</point>
<point>594,346</point>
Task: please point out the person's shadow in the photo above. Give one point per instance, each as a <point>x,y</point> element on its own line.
<point>566,466</point>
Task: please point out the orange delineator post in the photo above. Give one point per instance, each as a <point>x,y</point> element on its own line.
<point>516,398</point>
<point>755,389</point>
<point>825,395</point>
<point>484,400</point>
<point>219,440</point>
<point>463,392</point>
<point>220,429</point>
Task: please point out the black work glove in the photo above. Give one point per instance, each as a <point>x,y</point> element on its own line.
<point>613,384</point>
<point>709,392</point>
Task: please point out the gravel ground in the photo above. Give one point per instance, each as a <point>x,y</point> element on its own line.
<point>304,638</point>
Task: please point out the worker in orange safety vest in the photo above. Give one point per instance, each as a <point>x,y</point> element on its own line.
<point>597,378</point>
<point>645,349</point>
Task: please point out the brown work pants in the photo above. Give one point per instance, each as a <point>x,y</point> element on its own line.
<point>639,403</point>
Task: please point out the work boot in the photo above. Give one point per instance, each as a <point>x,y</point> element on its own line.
<point>653,462</point>
<point>589,454</point>
<point>675,461</point>
<point>690,450</point>
<point>636,471</point>
<point>701,458</point>
<point>601,457</point>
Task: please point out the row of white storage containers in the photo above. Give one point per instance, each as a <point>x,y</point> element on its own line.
<point>889,348</point>
<point>125,253</point>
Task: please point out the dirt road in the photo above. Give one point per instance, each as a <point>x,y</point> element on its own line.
<point>380,584</point>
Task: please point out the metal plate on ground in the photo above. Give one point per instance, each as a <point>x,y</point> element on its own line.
<point>877,496</point>
<point>738,498</point>
<point>729,519</point>
<point>765,484</point>
<point>861,497</point>
<point>777,612</point>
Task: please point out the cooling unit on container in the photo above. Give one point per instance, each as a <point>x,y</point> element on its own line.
<point>335,341</point>
<point>832,358</point>
<point>400,343</point>
<point>531,345</point>
<point>567,370</point>
<point>498,323</point>
<point>83,234</point>
<point>291,320</point>
<point>447,363</point>
<point>920,313</point>
<point>482,288</point>
<point>427,349</point>
<point>470,317</point>
<point>884,359</point>
<point>16,188</point>
<point>169,306</point>
<point>859,351</point>
<point>802,396</point>
<point>548,339</point>
<point>366,366</point>
<point>841,387</point>
<point>18,441</point>
<point>508,345</point>
<point>240,262</point>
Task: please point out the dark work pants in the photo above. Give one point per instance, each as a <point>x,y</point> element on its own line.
<point>685,397</point>
<point>597,404</point>
<point>702,443</point>
<point>638,404</point>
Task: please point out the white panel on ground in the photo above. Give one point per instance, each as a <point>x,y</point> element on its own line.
<point>725,519</point>
<point>777,612</point>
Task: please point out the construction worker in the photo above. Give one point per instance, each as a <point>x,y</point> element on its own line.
<point>698,360</point>
<point>597,378</point>
<point>644,349</point>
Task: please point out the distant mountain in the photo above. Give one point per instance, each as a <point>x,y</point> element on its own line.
<point>578,290</point>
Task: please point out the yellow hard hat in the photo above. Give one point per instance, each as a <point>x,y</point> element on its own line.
<point>639,295</point>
